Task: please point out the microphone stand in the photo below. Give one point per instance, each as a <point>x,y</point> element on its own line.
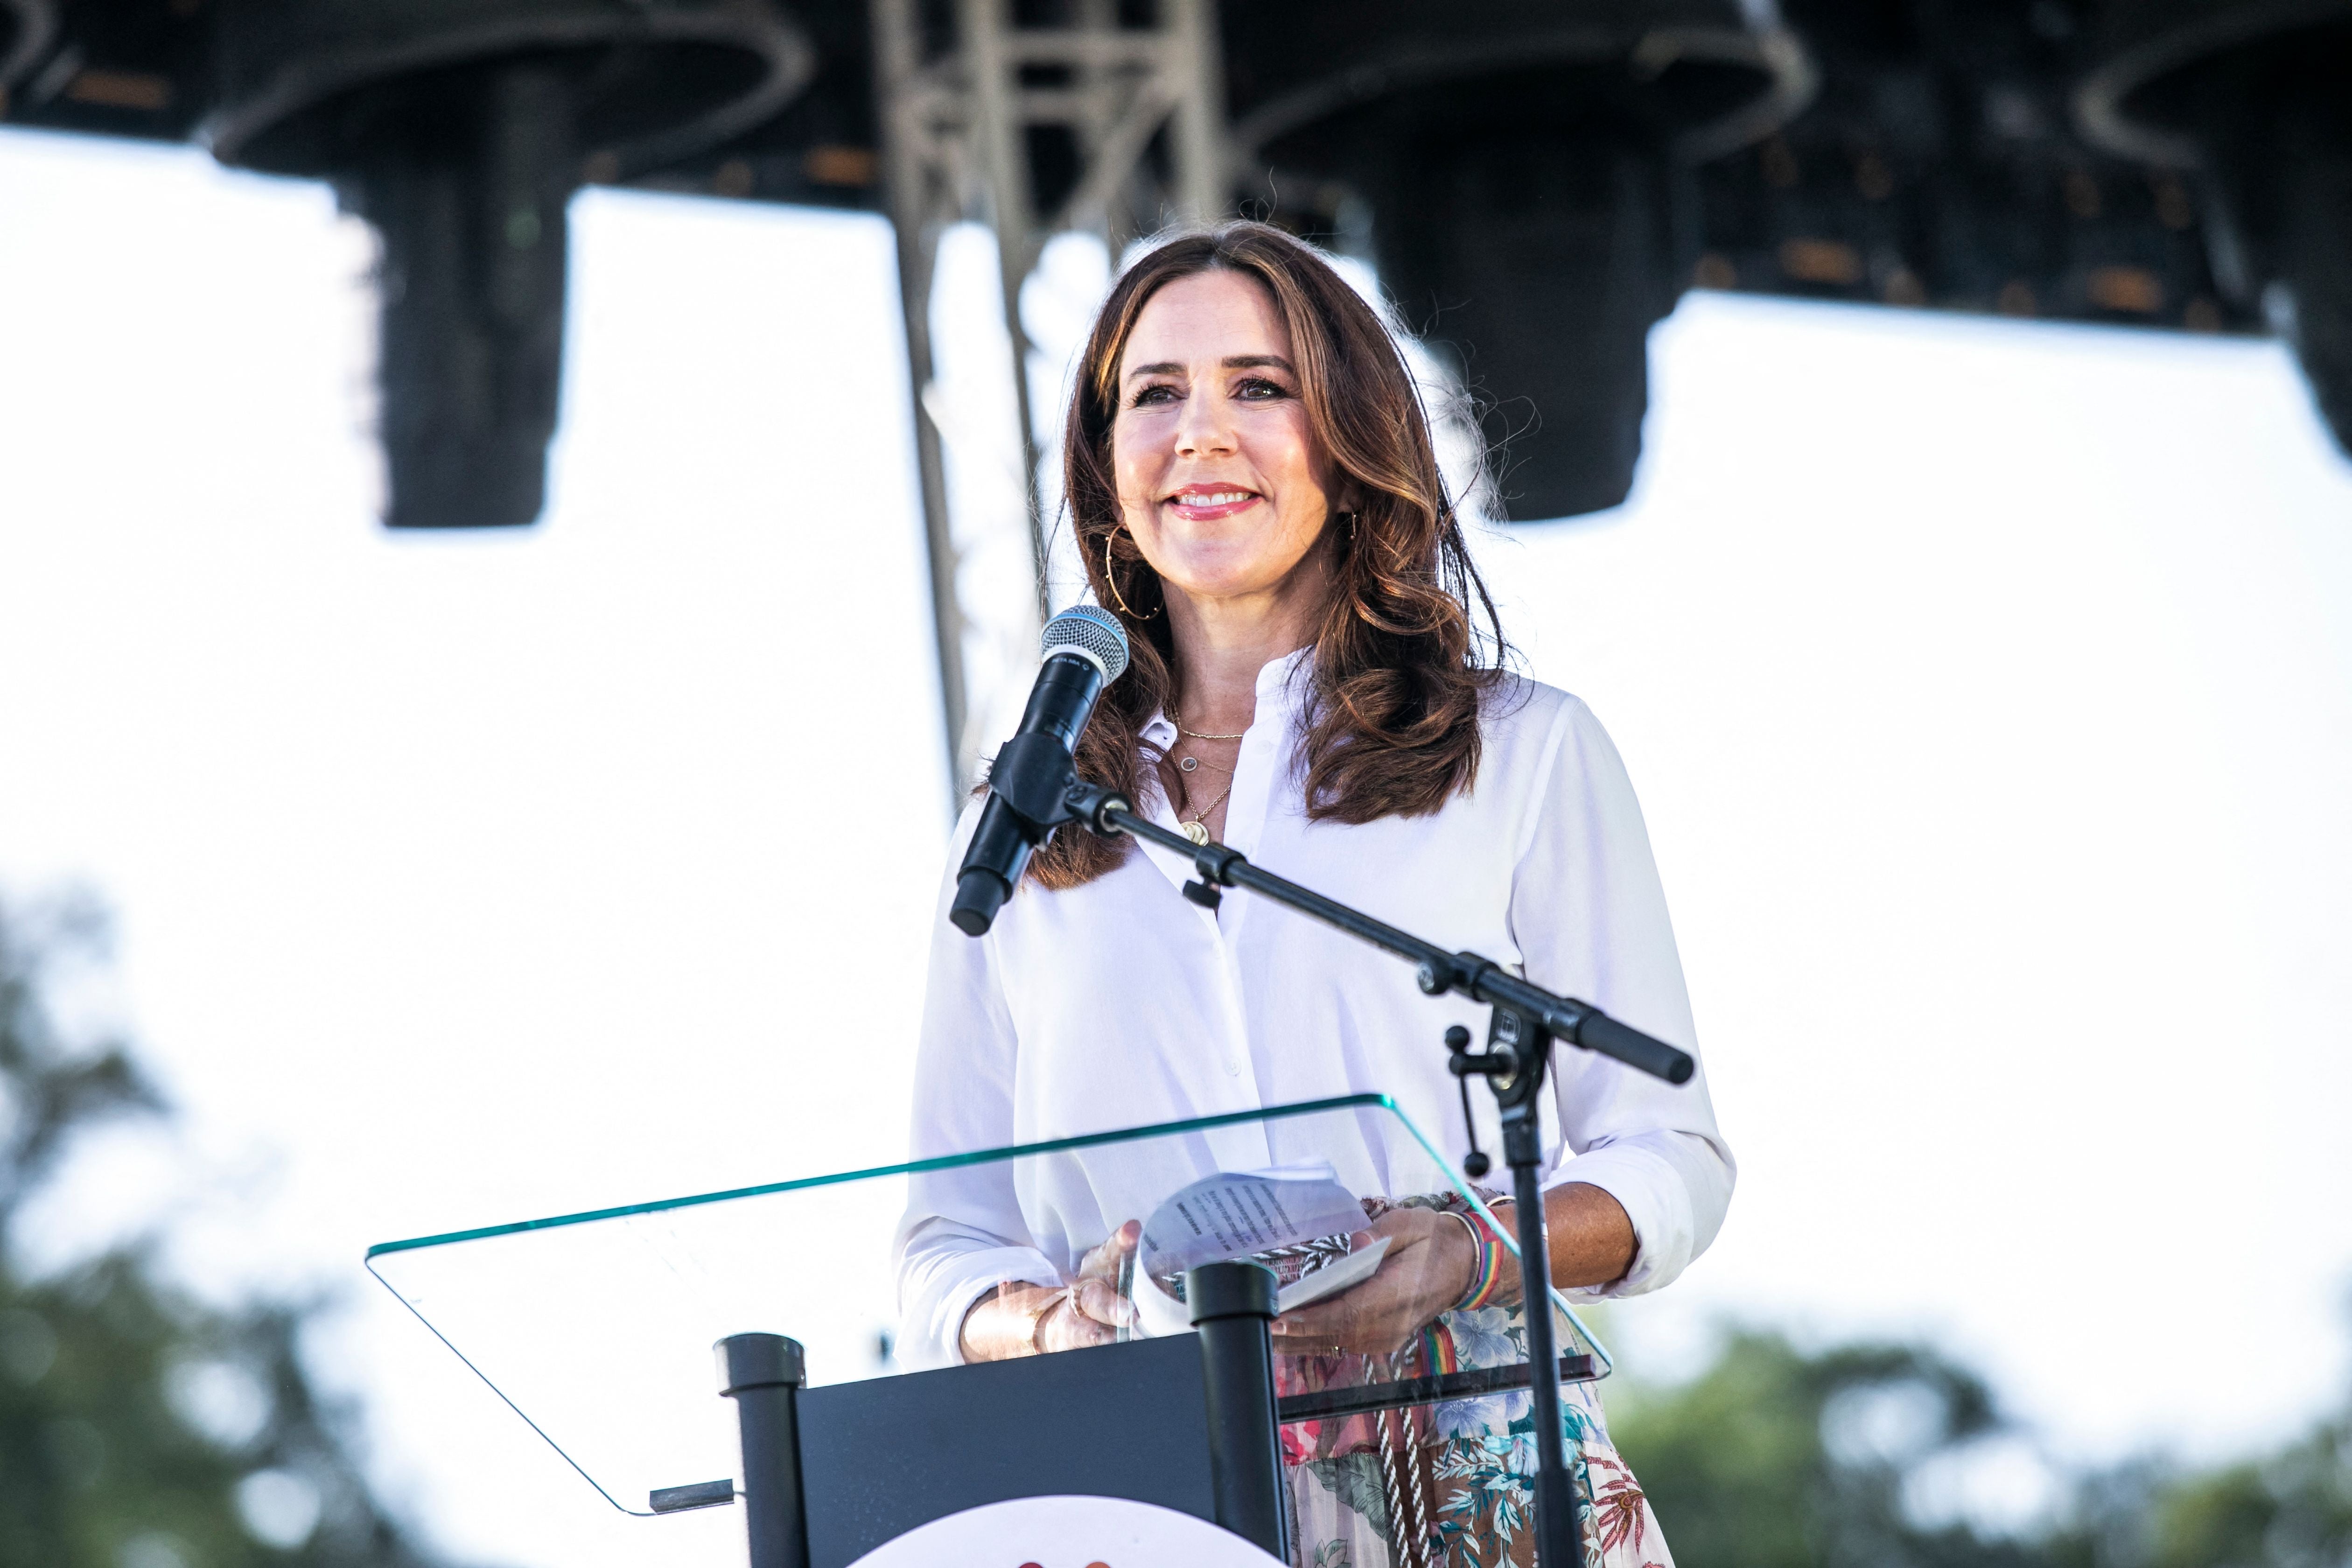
<point>1527,1020</point>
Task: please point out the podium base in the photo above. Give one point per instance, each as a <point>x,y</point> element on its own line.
<point>1067,1532</point>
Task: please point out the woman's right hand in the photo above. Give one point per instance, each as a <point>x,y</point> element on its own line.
<point>1018,1319</point>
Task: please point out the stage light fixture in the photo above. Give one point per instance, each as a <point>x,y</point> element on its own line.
<point>460,129</point>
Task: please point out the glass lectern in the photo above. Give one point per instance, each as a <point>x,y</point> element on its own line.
<point>598,1329</point>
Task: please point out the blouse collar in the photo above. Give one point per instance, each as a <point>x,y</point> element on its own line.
<point>1279,685</point>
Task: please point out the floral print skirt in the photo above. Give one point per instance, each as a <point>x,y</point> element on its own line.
<point>1449,1486</point>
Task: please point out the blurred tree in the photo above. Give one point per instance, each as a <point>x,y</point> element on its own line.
<point>138,1427</point>
<point>2290,1509</point>
<point>1772,1457</point>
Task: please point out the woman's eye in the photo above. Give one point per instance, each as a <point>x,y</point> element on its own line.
<point>1259,388</point>
<point>1162,393</point>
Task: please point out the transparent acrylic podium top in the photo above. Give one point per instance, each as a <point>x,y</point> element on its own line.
<point>597,1328</point>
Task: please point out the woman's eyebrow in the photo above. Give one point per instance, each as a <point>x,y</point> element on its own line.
<point>1231,361</point>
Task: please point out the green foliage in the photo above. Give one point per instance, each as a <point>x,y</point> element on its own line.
<point>2292,1509</point>
<point>138,1427</point>
<point>1775,1458</point>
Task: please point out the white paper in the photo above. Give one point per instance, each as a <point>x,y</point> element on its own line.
<point>1237,1214</point>
<point>1331,1278</point>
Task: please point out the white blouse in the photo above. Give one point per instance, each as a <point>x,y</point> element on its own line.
<point>1121,1003</point>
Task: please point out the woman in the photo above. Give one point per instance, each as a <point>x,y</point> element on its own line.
<point>1254,490</point>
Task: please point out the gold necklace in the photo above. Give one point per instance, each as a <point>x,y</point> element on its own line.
<point>1197,830</point>
<point>1193,764</point>
<point>1178,720</point>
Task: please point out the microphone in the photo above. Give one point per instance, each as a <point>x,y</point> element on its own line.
<point>1085,650</point>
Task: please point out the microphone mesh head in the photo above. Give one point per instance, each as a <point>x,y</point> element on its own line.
<point>1092,630</point>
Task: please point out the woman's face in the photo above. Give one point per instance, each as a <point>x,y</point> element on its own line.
<point>1219,477</point>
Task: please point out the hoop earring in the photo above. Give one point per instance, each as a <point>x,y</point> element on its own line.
<point>1117,597</point>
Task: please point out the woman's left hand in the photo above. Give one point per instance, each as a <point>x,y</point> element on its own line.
<point>1425,1271</point>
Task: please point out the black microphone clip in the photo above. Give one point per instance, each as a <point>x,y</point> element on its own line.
<point>1032,779</point>
<point>1032,774</point>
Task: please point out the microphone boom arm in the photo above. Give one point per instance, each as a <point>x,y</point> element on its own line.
<point>1526,1019</point>
<point>1109,814</point>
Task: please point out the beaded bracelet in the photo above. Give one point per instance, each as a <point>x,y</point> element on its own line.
<point>1486,1271</point>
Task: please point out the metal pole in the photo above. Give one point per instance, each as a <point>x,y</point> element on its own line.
<point>1559,1523</point>
<point>896,56</point>
<point>997,130</point>
<point>762,1374</point>
<point>1203,169</point>
<point>1232,1305</point>
<point>955,130</point>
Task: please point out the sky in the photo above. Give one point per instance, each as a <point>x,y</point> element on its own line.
<point>1988,688</point>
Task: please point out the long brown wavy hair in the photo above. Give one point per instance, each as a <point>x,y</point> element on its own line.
<point>1400,666</point>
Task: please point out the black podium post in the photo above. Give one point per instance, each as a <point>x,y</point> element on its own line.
<point>762,1374</point>
<point>1232,1306</point>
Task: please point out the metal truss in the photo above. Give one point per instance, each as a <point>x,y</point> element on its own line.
<point>1134,118</point>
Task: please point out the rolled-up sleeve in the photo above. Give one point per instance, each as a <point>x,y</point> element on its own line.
<point>963,1233</point>
<point>1589,915</point>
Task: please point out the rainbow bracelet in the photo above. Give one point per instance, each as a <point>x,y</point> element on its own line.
<point>1487,1276</point>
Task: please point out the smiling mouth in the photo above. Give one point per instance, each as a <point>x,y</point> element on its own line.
<point>1212,498</point>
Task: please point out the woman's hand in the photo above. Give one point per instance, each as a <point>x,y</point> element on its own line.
<point>1018,1319</point>
<point>1425,1271</point>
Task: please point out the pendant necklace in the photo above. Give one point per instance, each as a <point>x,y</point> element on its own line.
<point>1197,830</point>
